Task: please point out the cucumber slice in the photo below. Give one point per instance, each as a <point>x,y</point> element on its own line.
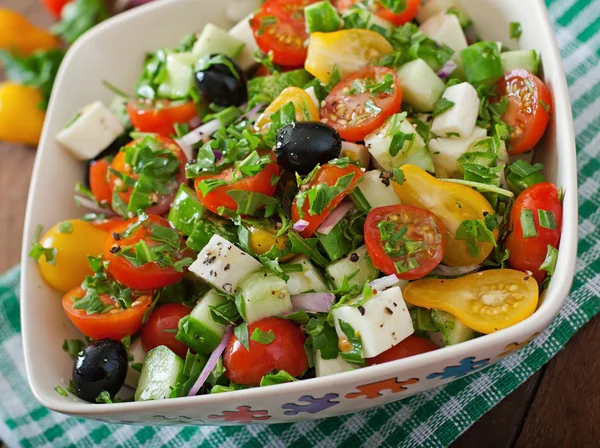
<point>482,63</point>
<point>430,8</point>
<point>161,372</point>
<point>453,330</point>
<point>526,59</point>
<point>310,279</point>
<point>262,294</point>
<point>208,226</point>
<point>421,318</point>
<point>322,17</point>
<point>270,87</point>
<point>198,330</point>
<point>216,40</point>
<point>421,87</point>
<point>358,17</point>
<point>377,190</point>
<point>356,267</point>
<point>180,76</point>
<point>186,210</point>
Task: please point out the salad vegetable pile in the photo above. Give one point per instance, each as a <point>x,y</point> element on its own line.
<point>322,188</point>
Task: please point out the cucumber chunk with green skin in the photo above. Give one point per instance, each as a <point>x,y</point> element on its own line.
<point>198,330</point>
<point>482,63</point>
<point>262,294</point>
<point>453,330</point>
<point>359,17</point>
<point>356,267</point>
<point>269,87</point>
<point>214,40</point>
<point>377,189</point>
<point>179,76</point>
<point>208,226</point>
<point>186,210</point>
<point>322,17</point>
<point>161,372</point>
<point>310,279</point>
<point>521,59</point>
<point>192,368</point>
<point>421,87</point>
<point>421,318</point>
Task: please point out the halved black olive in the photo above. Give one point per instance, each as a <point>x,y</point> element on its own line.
<point>302,146</point>
<point>221,81</point>
<point>101,366</point>
<point>110,151</point>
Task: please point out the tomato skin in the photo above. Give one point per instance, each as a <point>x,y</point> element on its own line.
<point>165,317</point>
<point>260,183</point>
<point>108,224</point>
<point>111,325</point>
<point>99,181</point>
<point>528,121</point>
<point>286,352</point>
<point>55,7</point>
<point>147,276</point>
<point>412,7</point>
<point>164,201</point>
<point>428,258</point>
<point>145,117</point>
<point>528,254</point>
<point>338,104</point>
<point>327,174</point>
<point>411,346</point>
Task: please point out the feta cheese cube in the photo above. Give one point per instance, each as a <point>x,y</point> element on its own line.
<point>382,321</point>
<point>445,28</point>
<point>92,132</point>
<point>446,151</point>
<point>459,119</point>
<point>243,32</point>
<point>310,279</point>
<point>324,367</point>
<point>222,264</point>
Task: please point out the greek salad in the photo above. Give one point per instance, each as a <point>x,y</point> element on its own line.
<point>324,187</point>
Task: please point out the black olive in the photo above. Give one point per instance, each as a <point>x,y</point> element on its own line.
<point>111,151</point>
<point>219,85</point>
<point>302,146</point>
<point>101,366</point>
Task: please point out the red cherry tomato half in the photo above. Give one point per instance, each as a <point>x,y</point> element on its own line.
<point>146,276</point>
<point>159,117</point>
<point>411,346</point>
<point>99,181</point>
<point>259,183</point>
<point>359,104</point>
<point>279,28</point>
<point>286,352</point>
<point>114,324</point>
<point>528,253</point>
<point>400,18</point>
<point>161,326</point>
<point>405,240</point>
<point>329,175</point>
<point>55,7</point>
<point>528,98</point>
<point>163,201</point>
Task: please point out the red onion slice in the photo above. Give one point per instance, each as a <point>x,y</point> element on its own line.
<point>447,69</point>
<point>201,133</point>
<point>453,271</point>
<point>336,216</point>
<point>315,302</point>
<point>212,361</point>
<point>383,283</point>
<point>300,225</point>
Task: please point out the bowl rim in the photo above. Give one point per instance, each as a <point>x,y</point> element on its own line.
<point>549,308</point>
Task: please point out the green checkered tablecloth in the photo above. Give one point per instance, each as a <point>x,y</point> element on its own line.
<point>434,418</point>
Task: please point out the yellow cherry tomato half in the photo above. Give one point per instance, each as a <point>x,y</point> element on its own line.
<point>20,35</point>
<point>73,240</point>
<point>486,301</point>
<point>21,118</point>
<point>262,240</point>
<point>303,103</point>
<point>348,50</point>
<point>453,204</point>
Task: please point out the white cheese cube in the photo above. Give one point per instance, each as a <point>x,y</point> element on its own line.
<point>243,32</point>
<point>446,29</point>
<point>136,349</point>
<point>421,86</point>
<point>459,119</point>
<point>324,367</point>
<point>378,190</point>
<point>382,321</point>
<point>310,279</point>
<point>222,264</point>
<point>431,8</point>
<point>92,132</point>
<point>446,151</point>
<point>354,152</point>
<point>238,9</point>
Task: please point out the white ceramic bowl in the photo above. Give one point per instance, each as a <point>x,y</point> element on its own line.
<point>114,51</point>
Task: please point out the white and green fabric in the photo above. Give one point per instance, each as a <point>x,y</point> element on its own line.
<point>434,418</point>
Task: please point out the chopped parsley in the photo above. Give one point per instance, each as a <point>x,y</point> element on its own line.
<point>528,224</point>
<point>263,338</point>
<point>549,264</point>
<point>475,231</point>
<point>241,333</point>
<point>277,377</point>
<point>441,106</point>
<point>516,30</point>
<point>321,196</point>
<point>547,219</point>
<point>37,250</point>
<point>352,350</point>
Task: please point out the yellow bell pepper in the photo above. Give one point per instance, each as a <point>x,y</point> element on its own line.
<point>486,301</point>
<point>18,34</point>
<point>21,118</point>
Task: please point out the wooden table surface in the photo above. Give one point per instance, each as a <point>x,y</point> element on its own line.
<point>558,407</point>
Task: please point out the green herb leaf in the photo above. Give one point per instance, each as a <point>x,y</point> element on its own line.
<point>441,106</point>
<point>334,79</point>
<point>104,397</point>
<point>218,59</point>
<point>183,263</point>
<point>547,220</point>
<point>249,202</point>
<point>320,196</point>
<point>398,175</point>
<point>323,337</point>
<point>278,377</point>
<point>61,391</point>
<point>528,224</point>
<point>225,314</point>
<point>241,333</point>
<point>65,227</point>
<point>515,30</point>
<point>78,17</point>
<point>307,247</point>
<point>549,264</point>
<point>399,140</point>
<point>73,347</point>
<point>475,231</point>
<point>261,337</point>
<point>353,356</point>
